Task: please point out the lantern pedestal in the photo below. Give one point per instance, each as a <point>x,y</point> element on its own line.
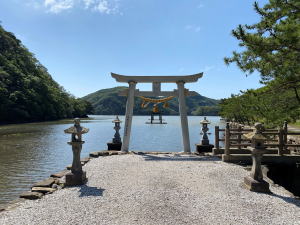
<point>114,146</point>
<point>255,182</point>
<point>204,148</point>
<point>255,185</point>
<point>77,176</point>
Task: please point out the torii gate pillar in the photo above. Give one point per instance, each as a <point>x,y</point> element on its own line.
<point>128,116</point>
<point>156,85</point>
<point>183,117</point>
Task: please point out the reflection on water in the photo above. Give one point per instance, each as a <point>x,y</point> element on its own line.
<point>31,152</point>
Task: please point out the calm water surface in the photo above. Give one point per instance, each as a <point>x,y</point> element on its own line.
<point>31,152</point>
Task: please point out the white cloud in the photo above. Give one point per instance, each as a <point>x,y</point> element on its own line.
<point>49,2</point>
<point>88,3</point>
<point>107,6</point>
<point>103,7</point>
<point>57,6</point>
<point>194,28</point>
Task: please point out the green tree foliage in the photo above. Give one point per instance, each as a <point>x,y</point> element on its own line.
<point>27,91</point>
<point>107,102</point>
<point>261,105</point>
<point>271,47</point>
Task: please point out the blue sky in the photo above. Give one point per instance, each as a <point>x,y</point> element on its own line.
<point>81,41</point>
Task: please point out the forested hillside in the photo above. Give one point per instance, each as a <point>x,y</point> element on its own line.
<point>107,102</point>
<point>27,91</point>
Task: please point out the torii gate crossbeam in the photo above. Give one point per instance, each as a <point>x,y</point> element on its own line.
<point>156,81</point>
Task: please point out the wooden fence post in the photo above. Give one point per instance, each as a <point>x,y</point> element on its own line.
<point>280,141</point>
<point>285,131</point>
<point>217,138</point>
<point>227,140</point>
<point>239,137</point>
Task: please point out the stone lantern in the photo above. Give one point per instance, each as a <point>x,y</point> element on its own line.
<point>204,146</point>
<point>116,143</point>
<point>255,181</point>
<point>77,176</point>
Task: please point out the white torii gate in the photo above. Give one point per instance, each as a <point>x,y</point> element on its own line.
<point>156,81</point>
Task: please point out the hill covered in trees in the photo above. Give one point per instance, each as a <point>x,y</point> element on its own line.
<point>27,90</point>
<point>107,102</point>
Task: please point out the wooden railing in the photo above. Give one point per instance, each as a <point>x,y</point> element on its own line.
<point>233,139</point>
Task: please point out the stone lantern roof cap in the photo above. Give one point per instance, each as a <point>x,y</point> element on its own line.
<point>117,120</point>
<point>257,134</point>
<point>205,121</point>
<point>76,129</point>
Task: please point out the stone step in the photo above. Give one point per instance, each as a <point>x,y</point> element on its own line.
<point>59,174</point>
<point>113,152</point>
<point>31,195</point>
<point>45,183</point>
<point>94,154</point>
<point>99,153</point>
<point>43,190</point>
<point>103,153</point>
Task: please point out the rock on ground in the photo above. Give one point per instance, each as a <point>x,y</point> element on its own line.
<point>152,189</point>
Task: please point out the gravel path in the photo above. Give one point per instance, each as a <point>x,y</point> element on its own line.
<point>151,189</point>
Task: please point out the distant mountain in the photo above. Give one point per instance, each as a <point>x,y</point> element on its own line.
<point>107,102</point>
